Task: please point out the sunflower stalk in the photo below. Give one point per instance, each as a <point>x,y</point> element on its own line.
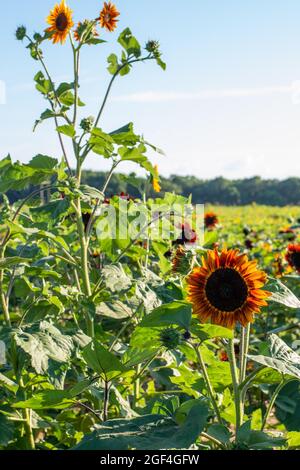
<point>235,383</point>
<point>207,381</point>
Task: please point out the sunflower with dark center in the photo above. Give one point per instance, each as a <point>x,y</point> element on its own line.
<point>293,256</point>
<point>108,17</point>
<point>227,289</point>
<point>210,220</point>
<point>61,22</point>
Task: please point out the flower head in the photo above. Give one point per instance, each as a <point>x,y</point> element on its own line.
<point>86,124</point>
<point>182,261</point>
<point>152,46</point>
<point>210,220</point>
<point>155,180</point>
<point>86,29</point>
<point>61,22</point>
<point>108,17</point>
<point>227,288</point>
<point>293,256</point>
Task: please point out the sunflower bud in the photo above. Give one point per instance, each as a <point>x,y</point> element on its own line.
<point>170,338</point>
<point>37,37</point>
<point>21,33</point>
<point>87,124</point>
<point>152,47</point>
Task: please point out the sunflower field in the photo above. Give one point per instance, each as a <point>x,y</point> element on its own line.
<point>115,338</point>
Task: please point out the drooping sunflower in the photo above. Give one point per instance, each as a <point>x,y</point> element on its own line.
<point>227,288</point>
<point>293,256</point>
<point>61,22</point>
<point>210,220</point>
<point>108,17</point>
<point>83,28</point>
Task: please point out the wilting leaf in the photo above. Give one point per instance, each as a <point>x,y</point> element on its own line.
<point>282,294</point>
<point>283,358</point>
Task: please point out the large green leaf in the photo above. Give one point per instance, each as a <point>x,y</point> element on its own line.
<point>283,358</point>
<point>208,331</point>
<point>174,313</point>
<point>6,430</point>
<point>102,361</point>
<point>43,342</point>
<point>130,43</point>
<point>148,432</point>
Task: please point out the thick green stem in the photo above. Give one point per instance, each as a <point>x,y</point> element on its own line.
<point>235,383</point>
<point>26,413</point>
<point>272,402</point>
<point>208,383</point>
<point>4,303</point>
<point>245,337</point>
<point>28,429</point>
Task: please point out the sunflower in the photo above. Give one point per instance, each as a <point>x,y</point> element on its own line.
<point>210,220</point>
<point>227,288</point>
<point>108,17</point>
<point>155,180</point>
<point>293,256</point>
<point>83,28</point>
<point>61,22</point>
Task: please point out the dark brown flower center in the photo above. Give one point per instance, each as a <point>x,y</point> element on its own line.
<point>226,290</point>
<point>107,17</point>
<point>295,258</point>
<point>61,22</point>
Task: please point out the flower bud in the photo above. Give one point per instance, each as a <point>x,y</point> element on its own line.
<point>21,33</point>
<point>170,338</point>
<point>152,46</point>
<point>87,123</point>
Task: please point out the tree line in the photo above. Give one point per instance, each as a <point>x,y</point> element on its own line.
<point>215,191</point>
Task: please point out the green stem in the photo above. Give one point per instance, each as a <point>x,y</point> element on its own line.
<point>26,413</point>
<point>208,383</point>
<point>137,384</point>
<point>4,303</point>
<point>272,402</point>
<point>235,383</point>
<point>244,352</point>
<point>84,264</point>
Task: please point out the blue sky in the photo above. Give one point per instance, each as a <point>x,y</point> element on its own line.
<point>228,104</point>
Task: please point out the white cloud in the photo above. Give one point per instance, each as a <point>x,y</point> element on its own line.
<point>164,96</point>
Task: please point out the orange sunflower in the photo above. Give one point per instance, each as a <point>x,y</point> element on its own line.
<point>293,256</point>
<point>227,288</point>
<point>210,220</point>
<point>108,17</point>
<point>61,22</point>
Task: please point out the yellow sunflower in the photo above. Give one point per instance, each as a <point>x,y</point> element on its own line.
<point>61,22</point>
<point>108,17</point>
<point>227,289</point>
<point>155,180</point>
